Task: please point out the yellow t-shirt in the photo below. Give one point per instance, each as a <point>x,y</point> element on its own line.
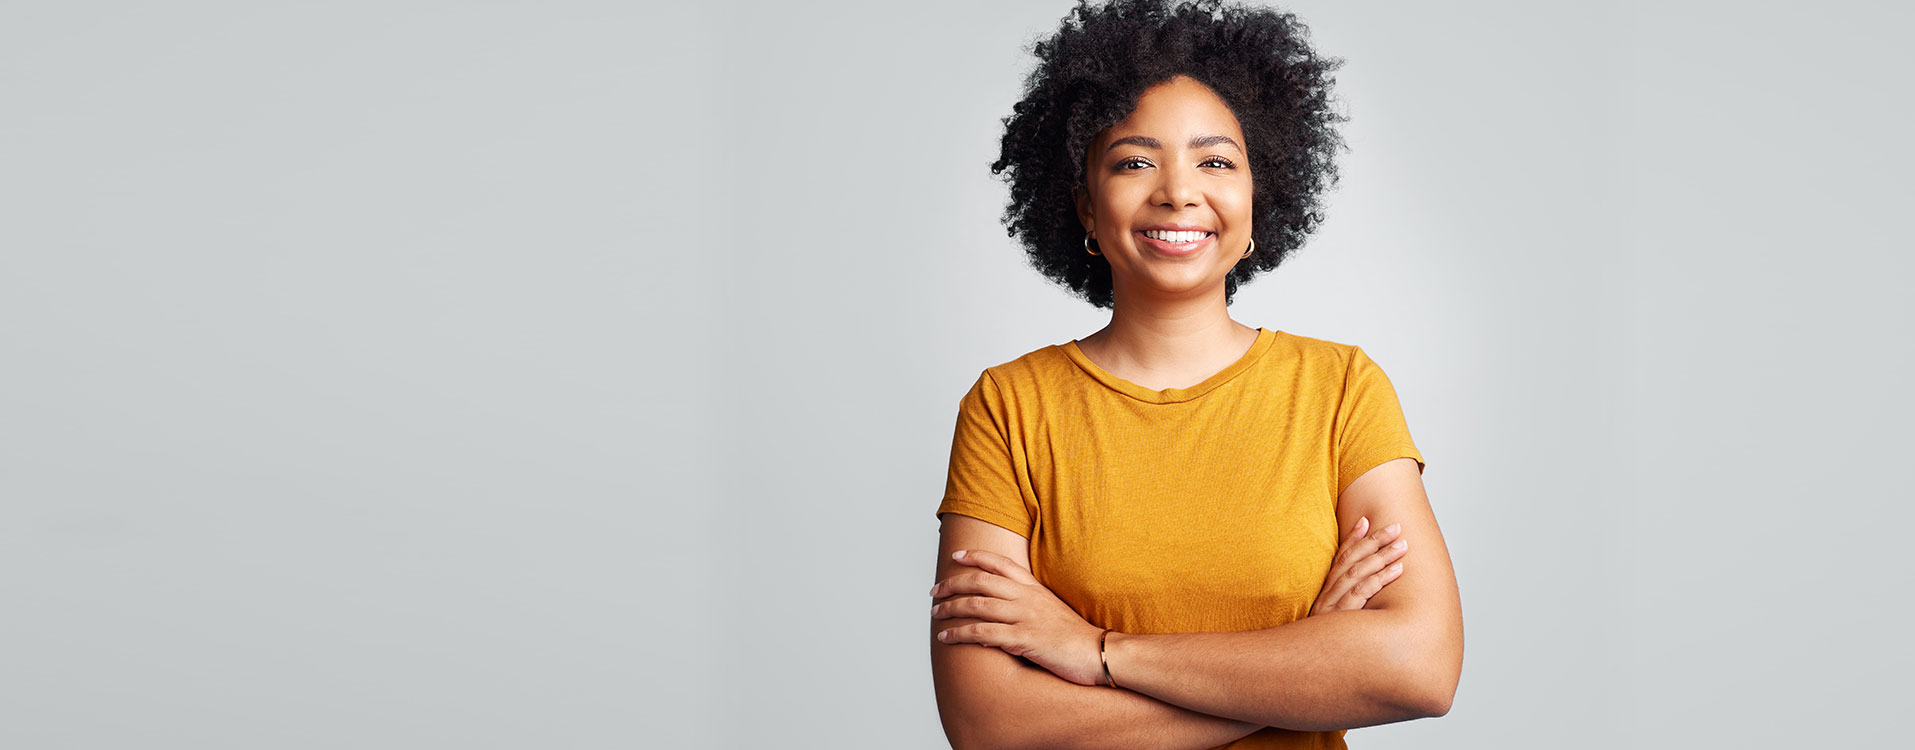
<point>1203,509</point>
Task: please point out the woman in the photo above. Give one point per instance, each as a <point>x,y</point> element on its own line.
<point>1140,529</point>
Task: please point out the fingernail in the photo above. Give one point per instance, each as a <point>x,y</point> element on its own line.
<point>958,555</point>
<point>1391,529</point>
<point>1400,544</point>
<point>1397,568</point>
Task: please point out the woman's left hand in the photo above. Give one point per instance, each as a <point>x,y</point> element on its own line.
<point>1025,618</point>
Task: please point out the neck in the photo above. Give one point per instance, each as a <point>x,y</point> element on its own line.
<point>1169,335</point>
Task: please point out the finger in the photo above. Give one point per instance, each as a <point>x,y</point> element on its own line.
<point>980,607</point>
<point>1360,596</point>
<point>979,582</point>
<point>1384,556</point>
<point>981,633</point>
<point>1338,581</point>
<point>1343,547</point>
<point>1345,594</point>
<point>1335,588</point>
<point>1377,575</point>
<point>1369,566</point>
<point>1371,544</point>
<point>995,563</point>
<point>1357,549</point>
<point>1366,564</point>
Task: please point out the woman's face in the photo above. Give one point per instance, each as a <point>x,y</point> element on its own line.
<point>1169,199</point>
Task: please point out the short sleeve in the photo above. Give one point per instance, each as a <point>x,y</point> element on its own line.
<point>1370,428</point>
<point>982,482</point>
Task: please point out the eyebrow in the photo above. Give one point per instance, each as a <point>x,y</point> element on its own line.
<point>1200,141</point>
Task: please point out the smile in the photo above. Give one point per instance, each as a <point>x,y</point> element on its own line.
<point>1176,242</point>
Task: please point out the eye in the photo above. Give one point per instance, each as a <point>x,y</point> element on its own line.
<point>1225,163</point>
<point>1121,166</point>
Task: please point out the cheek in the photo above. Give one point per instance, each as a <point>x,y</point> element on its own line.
<point>1241,195</point>
<point>1116,196</point>
<point>1113,215</point>
<point>1237,207</point>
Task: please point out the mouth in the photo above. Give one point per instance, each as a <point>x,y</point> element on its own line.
<point>1176,242</point>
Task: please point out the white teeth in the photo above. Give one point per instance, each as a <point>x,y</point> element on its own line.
<point>1176,238</point>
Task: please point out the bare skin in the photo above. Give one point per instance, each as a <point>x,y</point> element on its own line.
<point>1383,643</point>
<point>1169,326</point>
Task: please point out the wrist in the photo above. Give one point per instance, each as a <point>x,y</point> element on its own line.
<point>1106,642</point>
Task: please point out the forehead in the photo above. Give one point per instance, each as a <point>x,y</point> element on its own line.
<point>1176,108</point>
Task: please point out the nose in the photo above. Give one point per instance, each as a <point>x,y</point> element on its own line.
<point>1176,189</point>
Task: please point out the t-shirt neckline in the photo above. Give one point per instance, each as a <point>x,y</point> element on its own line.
<point>1265,337</point>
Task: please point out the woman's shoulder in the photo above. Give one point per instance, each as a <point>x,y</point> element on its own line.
<point>1311,343</point>
<point>1318,351</point>
<point>1041,369</point>
<point>1331,359</point>
<point>1035,366</point>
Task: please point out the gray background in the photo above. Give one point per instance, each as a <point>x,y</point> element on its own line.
<point>582,374</point>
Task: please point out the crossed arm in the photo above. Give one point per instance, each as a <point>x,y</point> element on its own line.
<point>1399,658</point>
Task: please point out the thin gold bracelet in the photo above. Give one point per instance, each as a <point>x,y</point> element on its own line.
<point>1101,657</point>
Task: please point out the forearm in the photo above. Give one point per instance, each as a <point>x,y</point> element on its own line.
<point>1026,706</point>
<point>1336,670</point>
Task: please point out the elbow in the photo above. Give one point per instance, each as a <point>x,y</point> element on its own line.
<point>1446,669</point>
<point>965,740</point>
<point>964,734</point>
<point>1433,675</point>
<point>1432,662</point>
<point>979,728</point>
<point>979,736</point>
<point>998,731</point>
<point>1429,695</point>
<point>962,738</point>
<point>1439,687</point>
<point>1436,703</point>
<point>982,709</point>
<point>966,743</point>
<point>1421,698</point>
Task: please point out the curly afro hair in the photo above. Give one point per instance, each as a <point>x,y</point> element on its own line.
<point>1089,77</point>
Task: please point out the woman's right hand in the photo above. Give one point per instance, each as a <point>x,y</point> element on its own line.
<point>1362,567</point>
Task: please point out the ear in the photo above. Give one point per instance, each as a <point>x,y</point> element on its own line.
<point>1084,214</point>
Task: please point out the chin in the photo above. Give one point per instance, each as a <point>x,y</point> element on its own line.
<point>1184,287</point>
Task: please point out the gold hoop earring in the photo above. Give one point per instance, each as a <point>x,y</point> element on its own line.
<point>1253,247</point>
<point>1087,245</point>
